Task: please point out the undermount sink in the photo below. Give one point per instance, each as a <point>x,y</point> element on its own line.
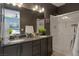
<point>43,36</point>
<point>19,40</point>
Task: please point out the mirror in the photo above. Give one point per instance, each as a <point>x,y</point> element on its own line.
<point>11,21</point>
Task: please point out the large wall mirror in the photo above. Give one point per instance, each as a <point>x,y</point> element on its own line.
<point>11,21</point>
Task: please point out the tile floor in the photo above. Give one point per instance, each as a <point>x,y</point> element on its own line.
<point>57,54</point>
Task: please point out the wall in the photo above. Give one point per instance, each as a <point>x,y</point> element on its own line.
<point>49,10</point>
<point>66,8</point>
<point>27,18</point>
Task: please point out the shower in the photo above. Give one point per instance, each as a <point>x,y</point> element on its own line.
<point>63,29</point>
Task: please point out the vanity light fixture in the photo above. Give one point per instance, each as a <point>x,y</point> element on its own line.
<point>42,10</point>
<point>35,8</point>
<point>20,4</point>
<point>38,8</point>
<point>14,4</point>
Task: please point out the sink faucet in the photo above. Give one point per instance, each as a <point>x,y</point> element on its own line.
<point>16,36</point>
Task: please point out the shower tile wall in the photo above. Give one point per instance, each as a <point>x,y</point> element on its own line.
<point>63,32</point>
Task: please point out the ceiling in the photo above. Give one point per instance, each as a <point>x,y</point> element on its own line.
<point>30,5</point>
<point>58,4</point>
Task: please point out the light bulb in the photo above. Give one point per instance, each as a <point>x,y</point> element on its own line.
<point>36,7</point>
<point>14,4</point>
<point>19,4</point>
<point>42,10</point>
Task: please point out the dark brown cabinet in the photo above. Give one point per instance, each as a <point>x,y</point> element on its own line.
<point>1,51</point>
<point>36,48</point>
<point>43,47</point>
<point>12,50</point>
<point>26,49</point>
<point>40,47</point>
<point>49,40</point>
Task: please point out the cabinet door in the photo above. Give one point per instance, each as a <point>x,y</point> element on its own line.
<point>44,47</point>
<point>11,50</point>
<point>36,48</point>
<point>49,40</point>
<point>1,51</point>
<point>26,49</point>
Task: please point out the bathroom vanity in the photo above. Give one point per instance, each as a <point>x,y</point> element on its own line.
<point>39,46</point>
